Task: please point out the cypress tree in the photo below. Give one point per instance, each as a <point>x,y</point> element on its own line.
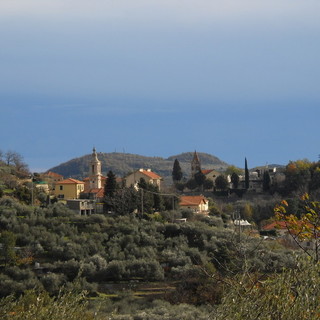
<point>266,181</point>
<point>176,171</point>
<point>246,173</point>
<point>110,185</point>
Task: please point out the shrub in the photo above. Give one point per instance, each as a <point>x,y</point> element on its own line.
<point>292,294</point>
<point>39,306</point>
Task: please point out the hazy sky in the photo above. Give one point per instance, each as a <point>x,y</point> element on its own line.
<point>156,77</point>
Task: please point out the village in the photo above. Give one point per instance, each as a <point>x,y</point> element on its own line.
<point>85,197</point>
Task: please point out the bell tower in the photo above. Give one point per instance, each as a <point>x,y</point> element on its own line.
<point>195,164</point>
<point>95,171</point>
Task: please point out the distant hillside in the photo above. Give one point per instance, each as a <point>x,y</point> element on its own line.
<point>123,163</point>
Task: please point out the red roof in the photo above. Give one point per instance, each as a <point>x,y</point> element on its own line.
<point>192,200</point>
<point>98,191</point>
<point>280,225</point>
<point>54,175</point>
<point>205,171</point>
<point>150,174</point>
<point>70,181</point>
<point>275,225</point>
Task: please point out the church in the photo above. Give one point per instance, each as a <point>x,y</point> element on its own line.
<point>94,184</point>
<point>84,197</point>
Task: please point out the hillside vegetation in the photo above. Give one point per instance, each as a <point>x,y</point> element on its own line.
<point>141,262</point>
<point>123,163</point>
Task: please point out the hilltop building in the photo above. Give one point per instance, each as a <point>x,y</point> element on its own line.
<point>94,184</point>
<point>198,204</point>
<point>68,189</point>
<point>52,177</point>
<point>95,171</point>
<point>149,176</point>
<point>211,174</point>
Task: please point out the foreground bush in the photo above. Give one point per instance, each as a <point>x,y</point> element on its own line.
<point>40,306</point>
<point>292,294</point>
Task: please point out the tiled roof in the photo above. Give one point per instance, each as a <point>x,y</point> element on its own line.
<point>150,174</point>
<point>206,171</point>
<point>275,225</point>
<point>281,225</point>
<point>98,191</point>
<point>53,174</point>
<point>70,181</point>
<point>192,200</point>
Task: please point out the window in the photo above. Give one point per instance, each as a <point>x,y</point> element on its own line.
<point>61,187</point>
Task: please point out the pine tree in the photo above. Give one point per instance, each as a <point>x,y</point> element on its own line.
<point>176,171</point>
<point>246,173</point>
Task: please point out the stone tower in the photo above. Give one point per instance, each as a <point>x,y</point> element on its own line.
<point>95,171</point>
<point>195,164</point>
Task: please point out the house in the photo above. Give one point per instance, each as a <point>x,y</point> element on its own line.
<point>149,176</point>
<point>82,206</point>
<point>290,236</point>
<point>256,178</point>
<point>198,204</point>
<point>52,177</point>
<point>42,186</point>
<point>211,174</point>
<point>68,189</point>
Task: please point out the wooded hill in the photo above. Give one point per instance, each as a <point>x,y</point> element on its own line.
<point>123,163</point>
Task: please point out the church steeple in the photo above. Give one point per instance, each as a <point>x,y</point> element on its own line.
<point>195,164</point>
<point>95,171</point>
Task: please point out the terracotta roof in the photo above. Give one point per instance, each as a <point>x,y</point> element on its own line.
<point>53,174</point>
<point>275,225</point>
<point>98,191</point>
<point>280,225</point>
<point>70,181</point>
<point>150,174</point>
<point>205,171</point>
<point>192,200</point>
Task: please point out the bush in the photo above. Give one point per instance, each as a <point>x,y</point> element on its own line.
<point>39,306</point>
<point>52,282</point>
<point>291,294</point>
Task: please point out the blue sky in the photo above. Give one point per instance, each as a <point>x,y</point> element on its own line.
<point>232,78</point>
